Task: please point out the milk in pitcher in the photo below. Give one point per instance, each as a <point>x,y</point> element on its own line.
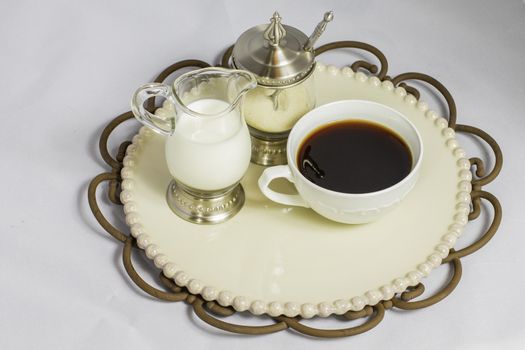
<point>215,144</point>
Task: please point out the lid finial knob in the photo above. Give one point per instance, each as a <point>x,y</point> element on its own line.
<point>275,31</point>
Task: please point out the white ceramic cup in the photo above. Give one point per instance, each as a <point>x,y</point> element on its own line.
<point>344,207</point>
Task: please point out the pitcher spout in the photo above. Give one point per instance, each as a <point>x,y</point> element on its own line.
<point>227,85</point>
<point>239,83</point>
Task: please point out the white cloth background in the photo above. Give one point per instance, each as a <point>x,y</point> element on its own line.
<point>68,67</point>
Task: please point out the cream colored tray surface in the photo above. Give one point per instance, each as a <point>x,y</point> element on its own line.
<point>282,260</point>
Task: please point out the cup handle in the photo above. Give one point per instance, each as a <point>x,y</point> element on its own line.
<point>276,172</point>
<point>164,126</point>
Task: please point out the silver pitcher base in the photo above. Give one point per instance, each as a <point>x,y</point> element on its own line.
<point>205,208</point>
<point>268,148</point>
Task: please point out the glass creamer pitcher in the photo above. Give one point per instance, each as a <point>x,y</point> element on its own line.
<point>207,145</point>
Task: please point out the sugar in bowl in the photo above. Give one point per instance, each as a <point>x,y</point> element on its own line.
<point>282,59</point>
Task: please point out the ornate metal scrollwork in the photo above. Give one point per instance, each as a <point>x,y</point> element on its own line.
<point>213,313</point>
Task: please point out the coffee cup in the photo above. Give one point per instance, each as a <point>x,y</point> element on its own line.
<point>344,207</point>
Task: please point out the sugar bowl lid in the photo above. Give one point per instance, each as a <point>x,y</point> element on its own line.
<point>278,54</point>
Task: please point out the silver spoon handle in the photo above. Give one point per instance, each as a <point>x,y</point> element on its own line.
<point>328,17</point>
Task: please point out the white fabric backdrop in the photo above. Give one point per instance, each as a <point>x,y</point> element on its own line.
<point>68,67</point>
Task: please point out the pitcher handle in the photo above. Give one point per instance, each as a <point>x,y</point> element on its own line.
<point>162,125</point>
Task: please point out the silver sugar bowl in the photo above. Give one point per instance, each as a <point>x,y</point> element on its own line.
<point>282,59</point>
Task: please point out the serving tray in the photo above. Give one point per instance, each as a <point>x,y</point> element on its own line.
<point>280,260</point>
<point>289,262</point>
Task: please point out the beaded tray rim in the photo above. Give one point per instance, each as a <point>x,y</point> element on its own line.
<point>293,308</point>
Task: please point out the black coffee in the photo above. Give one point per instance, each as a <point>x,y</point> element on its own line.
<point>354,157</point>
